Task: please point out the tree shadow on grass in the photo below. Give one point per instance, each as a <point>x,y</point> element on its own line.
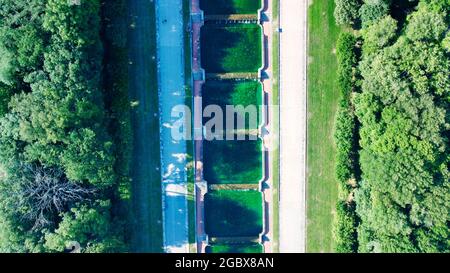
<point>230,49</point>
<point>219,7</point>
<point>233,93</point>
<point>237,161</point>
<point>234,248</point>
<point>225,216</point>
<point>215,46</point>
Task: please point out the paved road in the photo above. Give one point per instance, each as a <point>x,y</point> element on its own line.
<point>293,94</point>
<point>170,55</point>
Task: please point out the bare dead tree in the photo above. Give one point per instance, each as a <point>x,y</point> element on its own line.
<point>47,191</point>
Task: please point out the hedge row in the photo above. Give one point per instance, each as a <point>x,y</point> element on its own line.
<point>345,228</point>
<point>344,139</point>
<point>345,118</point>
<point>346,144</point>
<point>347,61</point>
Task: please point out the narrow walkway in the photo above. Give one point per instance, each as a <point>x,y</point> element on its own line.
<point>170,56</point>
<point>267,81</point>
<point>293,94</point>
<point>200,186</point>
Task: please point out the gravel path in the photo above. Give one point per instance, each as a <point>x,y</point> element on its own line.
<point>293,94</point>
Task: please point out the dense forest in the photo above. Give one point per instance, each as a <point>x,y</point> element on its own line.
<point>59,175</point>
<point>393,126</point>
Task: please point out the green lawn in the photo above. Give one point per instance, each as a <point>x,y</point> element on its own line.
<point>232,162</point>
<point>230,6</point>
<point>233,48</point>
<point>146,227</point>
<point>235,248</point>
<point>323,96</point>
<point>242,93</point>
<point>233,213</point>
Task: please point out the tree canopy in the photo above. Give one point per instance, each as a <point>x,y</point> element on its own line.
<point>404,114</point>
<point>52,117</point>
